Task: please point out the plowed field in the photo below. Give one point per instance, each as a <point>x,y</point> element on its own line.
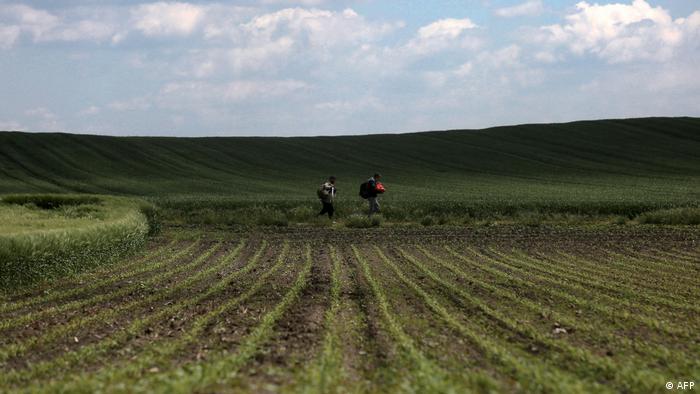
<point>496,309</point>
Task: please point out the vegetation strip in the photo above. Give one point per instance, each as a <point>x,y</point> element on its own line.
<point>427,377</point>
<point>156,354</point>
<point>89,352</point>
<point>626,376</point>
<point>612,313</point>
<point>16,348</point>
<point>50,295</point>
<point>42,289</point>
<point>545,377</point>
<point>196,378</point>
<point>690,255</point>
<point>643,300</point>
<point>657,269</point>
<point>648,350</point>
<point>327,372</point>
<point>621,296</point>
<point>681,264</point>
<point>33,315</point>
<point>640,286</point>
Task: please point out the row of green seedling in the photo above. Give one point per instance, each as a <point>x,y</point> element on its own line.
<point>583,281</point>
<point>88,353</point>
<point>424,374</point>
<point>681,262</point>
<point>533,377</point>
<point>591,365</point>
<point>590,300</point>
<point>83,321</point>
<point>160,353</point>
<point>602,333</point>
<point>79,285</point>
<point>218,370</point>
<point>604,272</point>
<point>82,303</point>
<point>326,374</point>
<point>72,281</point>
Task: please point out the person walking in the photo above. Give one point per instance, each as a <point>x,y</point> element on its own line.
<point>326,193</point>
<point>374,188</point>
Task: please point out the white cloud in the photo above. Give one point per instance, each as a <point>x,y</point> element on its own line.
<point>10,125</point>
<point>621,32</point>
<point>528,8</point>
<point>291,2</point>
<point>546,57</point>
<point>43,119</point>
<point>501,58</point>
<point>320,28</point>
<point>30,20</point>
<point>231,92</point>
<point>134,104</point>
<point>273,41</point>
<point>164,19</point>
<point>89,111</point>
<point>350,107</point>
<point>445,28</point>
<point>44,26</point>
<point>8,36</point>
<point>443,34</point>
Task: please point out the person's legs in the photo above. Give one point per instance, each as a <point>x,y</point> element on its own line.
<point>324,209</point>
<point>373,205</point>
<point>327,208</point>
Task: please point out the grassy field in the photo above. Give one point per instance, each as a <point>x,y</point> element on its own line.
<point>535,259</point>
<point>616,169</point>
<point>46,236</point>
<point>501,309</point>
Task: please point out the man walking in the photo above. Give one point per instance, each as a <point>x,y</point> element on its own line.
<point>326,193</point>
<point>374,188</point>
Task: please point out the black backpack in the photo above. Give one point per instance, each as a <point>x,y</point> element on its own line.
<point>364,190</point>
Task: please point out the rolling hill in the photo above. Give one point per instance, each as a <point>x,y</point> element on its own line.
<point>635,164</point>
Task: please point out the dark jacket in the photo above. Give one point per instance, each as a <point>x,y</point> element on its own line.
<point>372,188</point>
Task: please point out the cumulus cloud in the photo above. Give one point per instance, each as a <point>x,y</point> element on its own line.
<point>319,28</point>
<point>10,125</point>
<point>44,26</point>
<point>163,19</point>
<point>275,40</point>
<point>622,32</point>
<point>8,36</point>
<point>443,34</point>
<point>528,8</point>
<point>43,119</point>
<point>291,2</point>
<point>231,92</point>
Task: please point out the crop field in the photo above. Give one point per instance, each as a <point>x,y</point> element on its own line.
<point>494,309</point>
<point>540,172</point>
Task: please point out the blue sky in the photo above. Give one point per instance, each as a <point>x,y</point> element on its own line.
<point>315,67</point>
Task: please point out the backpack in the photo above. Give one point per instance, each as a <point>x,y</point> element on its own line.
<point>321,192</point>
<point>364,190</point>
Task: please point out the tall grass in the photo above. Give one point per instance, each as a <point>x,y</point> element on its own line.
<point>671,216</point>
<point>70,234</point>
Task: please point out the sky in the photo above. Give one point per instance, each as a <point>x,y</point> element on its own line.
<point>315,67</point>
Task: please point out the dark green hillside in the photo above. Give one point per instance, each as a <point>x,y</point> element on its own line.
<point>610,165</point>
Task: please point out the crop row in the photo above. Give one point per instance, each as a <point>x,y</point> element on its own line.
<point>536,321</point>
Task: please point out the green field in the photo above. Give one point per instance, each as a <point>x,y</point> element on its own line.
<point>556,258</point>
<point>499,309</point>
<point>46,236</point>
<point>610,167</point>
